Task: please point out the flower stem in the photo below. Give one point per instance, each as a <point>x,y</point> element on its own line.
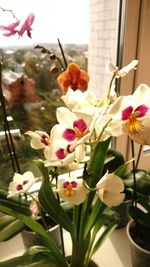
<point>134,198</point>
<point>110,85</point>
<point>39,208</point>
<point>61,230</point>
<point>139,154</point>
<point>9,139</point>
<point>62,52</point>
<point>8,10</point>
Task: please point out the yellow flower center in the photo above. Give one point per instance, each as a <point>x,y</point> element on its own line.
<point>79,134</point>
<point>133,125</point>
<point>69,192</point>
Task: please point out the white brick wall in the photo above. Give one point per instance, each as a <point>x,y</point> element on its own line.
<point>102,42</point>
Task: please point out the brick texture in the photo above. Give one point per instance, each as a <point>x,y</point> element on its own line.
<point>102,42</point>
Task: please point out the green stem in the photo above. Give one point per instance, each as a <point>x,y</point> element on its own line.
<point>61,230</point>
<point>39,208</point>
<point>63,55</point>
<point>134,198</point>
<point>138,157</point>
<point>110,85</point>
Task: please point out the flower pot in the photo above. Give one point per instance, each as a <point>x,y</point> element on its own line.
<point>140,256</point>
<point>92,263</point>
<point>31,238</point>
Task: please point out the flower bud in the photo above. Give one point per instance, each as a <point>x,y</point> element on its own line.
<point>52,57</point>
<point>54,69</point>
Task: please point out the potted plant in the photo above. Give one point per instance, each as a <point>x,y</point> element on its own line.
<point>84,123</point>
<point>79,141</point>
<point>138,228</point>
<point>132,112</point>
<point>10,226</point>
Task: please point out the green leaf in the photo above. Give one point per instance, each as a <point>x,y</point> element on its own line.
<point>5,220</point>
<point>107,231</point>
<point>140,216</point>
<point>50,203</point>
<point>96,170</point>
<point>97,162</point>
<point>114,163</point>
<point>15,203</point>
<point>121,170</point>
<point>39,230</point>
<point>142,181</point>
<point>11,230</point>
<point>36,254</point>
<point>96,212</point>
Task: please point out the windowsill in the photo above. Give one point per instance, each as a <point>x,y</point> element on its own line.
<point>115,250</point>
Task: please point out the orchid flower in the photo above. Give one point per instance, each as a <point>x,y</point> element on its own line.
<point>21,183</point>
<point>83,102</point>
<point>63,155</point>
<point>39,139</point>
<point>27,25</point>
<point>11,28</point>
<point>109,190</point>
<point>72,190</point>
<point>131,115</point>
<point>75,128</point>
<point>122,72</point>
<point>74,78</point>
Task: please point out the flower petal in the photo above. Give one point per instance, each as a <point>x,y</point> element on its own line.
<point>109,189</point>
<point>70,193</point>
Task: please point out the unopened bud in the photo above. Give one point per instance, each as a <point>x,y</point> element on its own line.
<point>54,69</point>
<point>52,57</point>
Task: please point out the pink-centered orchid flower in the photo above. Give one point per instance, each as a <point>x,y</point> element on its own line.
<point>39,139</point>
<point>11,29</point>
<point>21,183</point>
<point>26,27</point>
<point>109,190</point>
<point>75,127</point>
<point>72,190</point>
<point>62,154</point>
<point>131,115</point>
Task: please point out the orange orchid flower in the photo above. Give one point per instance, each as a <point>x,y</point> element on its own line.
<point>73,77</point>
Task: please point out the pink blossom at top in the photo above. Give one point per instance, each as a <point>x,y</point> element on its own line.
<point>27,25</point>
<point>11,28</point>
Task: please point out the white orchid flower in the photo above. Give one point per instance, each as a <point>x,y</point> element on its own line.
<point>122,72</point>
<point>109,190</point>
<point>61,152</point>
<point>83,102</point>
<point>21,183</point>
<point>39,139</point>
<point>77,127</point>
<point>131,115</point>
<point>72,98</point>
<point>72,190</point>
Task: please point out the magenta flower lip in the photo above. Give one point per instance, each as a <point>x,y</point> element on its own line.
<point>140,112</point>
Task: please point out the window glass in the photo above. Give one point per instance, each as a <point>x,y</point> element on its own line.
<point>29,75</point>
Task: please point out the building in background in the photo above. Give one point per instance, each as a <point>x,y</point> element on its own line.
<point>102,42</point>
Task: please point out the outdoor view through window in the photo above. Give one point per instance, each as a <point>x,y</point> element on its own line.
<point>30,70</point>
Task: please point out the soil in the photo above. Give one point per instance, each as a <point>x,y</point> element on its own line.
<point>141,236</point>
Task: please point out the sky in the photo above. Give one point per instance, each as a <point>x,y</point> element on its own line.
<point>67,20</point>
